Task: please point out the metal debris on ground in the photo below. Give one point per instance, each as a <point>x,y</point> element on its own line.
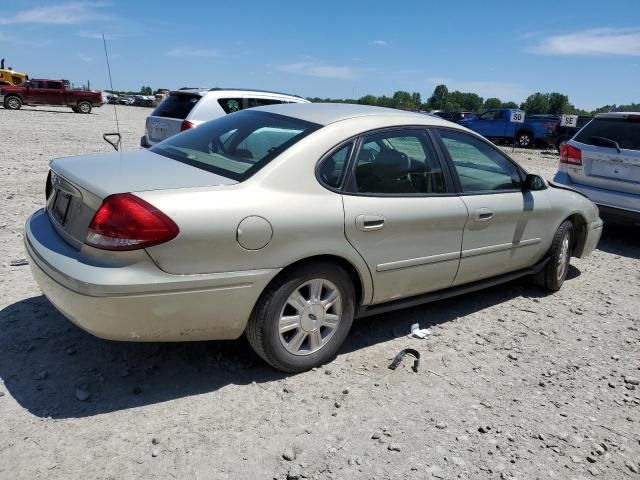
<point>19,262</point>
<point>407,351</point>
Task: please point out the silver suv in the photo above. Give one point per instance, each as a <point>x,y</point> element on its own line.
<point>189,107</point>
<point>603,162</point>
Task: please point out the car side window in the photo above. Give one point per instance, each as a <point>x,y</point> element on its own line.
<point>54,85</point>
<point>480,167</point>
<point>230,105</point>
<point>487,116</point>
<point>332,169</point>
<point>260,102</point>
<point>398,162</point>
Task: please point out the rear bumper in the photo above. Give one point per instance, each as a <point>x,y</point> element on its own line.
<point>624,203</point>
<point>133,299</point>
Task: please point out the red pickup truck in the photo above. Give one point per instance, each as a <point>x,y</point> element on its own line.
<point>48,92</point>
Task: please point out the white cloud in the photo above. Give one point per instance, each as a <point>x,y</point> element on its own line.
<point>193,52</point>
<point>379,42</point>
<point>503,90</point>
<point>61,14</point>
<point>600,41</point>
<point>314,69</point>
<point>85,58</point>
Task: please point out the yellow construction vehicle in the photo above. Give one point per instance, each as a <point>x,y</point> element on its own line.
<point>8,76</point>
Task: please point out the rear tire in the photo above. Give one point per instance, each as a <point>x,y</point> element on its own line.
<point>84,107</point>
<point>12,103</point>
<point>554,273</point>
<point>303,317</point>
<point>524,140</point>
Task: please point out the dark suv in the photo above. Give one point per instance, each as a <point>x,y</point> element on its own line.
<point>455,116</point>
<point>562,134</point>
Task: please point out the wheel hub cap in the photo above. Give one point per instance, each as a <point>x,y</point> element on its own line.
<point>310,317</point>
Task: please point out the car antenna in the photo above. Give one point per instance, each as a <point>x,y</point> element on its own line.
<point>117,144</point>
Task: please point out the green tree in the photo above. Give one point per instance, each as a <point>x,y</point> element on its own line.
<point>491,103</point>
<point>559,103</point>
<point>536,103</point>
<point>438,100</point>
<point>403,100</point>
<point>510,105</point>
<point>146,91</point>
<point>417,99</point>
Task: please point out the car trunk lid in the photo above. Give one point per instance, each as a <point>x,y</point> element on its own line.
<point>610,151</point>
<point>166,120</point>
<point>77,186</point>
<point>608,169</point>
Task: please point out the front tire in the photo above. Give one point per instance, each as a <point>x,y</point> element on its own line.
<point>524,140</point>
<point>303,317</point>
<point>12,103</point>
<point>554,273</point>
<point>84,107</point>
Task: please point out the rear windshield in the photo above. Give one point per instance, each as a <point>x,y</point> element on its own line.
<point>176,105</point>
<point>625,132</point>
<point>237,145</point>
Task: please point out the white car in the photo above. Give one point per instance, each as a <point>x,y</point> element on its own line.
<point>602,161</point>
<point>189,107</point>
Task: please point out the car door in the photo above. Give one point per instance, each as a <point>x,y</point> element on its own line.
<point>506,225</point>
<point>400,214</point>
<point>54,95</point>
<point>37,94</point>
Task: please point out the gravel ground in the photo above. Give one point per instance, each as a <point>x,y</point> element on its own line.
<point>514,383</point>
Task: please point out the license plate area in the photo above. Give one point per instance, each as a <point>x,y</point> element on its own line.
<point>60,206</point>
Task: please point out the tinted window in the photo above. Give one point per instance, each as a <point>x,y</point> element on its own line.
<point>488,116</point>
<point>480,167</point>
<point>38,84</point>
<point>176,105</point>
<point>236,146</point>
<point>54,85</point>
<point>401,162</point>
<point>625,132</point>
<point>261,102</point>
<point>230,105</point>
<point>332,168</point>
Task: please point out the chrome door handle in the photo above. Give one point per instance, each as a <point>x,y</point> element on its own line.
<point>483,215</point>
<point>368,223</point>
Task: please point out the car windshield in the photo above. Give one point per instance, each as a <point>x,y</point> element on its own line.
<point>236,145</point>
<point>623,131</point>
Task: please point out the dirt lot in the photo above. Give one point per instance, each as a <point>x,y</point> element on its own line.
<point>513,383</point>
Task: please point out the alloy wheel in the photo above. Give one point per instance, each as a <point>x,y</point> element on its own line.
<point>563,258</point>
<point>310,316</point>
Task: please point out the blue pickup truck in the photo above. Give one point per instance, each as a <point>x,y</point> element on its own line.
<point>496,124</point>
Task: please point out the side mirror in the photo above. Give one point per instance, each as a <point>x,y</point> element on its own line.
<point>534,182</point>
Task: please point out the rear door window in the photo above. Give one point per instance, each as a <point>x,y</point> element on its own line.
<point>261,102</point>
<point>177,105</point>
<point>54,85</point>
<point>600,132</point>
<point>398,162</point>
<point>230,105</point>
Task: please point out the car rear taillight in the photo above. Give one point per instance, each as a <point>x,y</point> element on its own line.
<point>186,125</point>
<point>126,222</point>
<point>633,118</point>
<point>570,154</point>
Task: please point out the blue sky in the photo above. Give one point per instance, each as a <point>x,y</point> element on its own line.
<point>588,49</point>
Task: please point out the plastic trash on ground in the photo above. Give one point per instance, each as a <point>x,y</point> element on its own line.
<point>417,332</point>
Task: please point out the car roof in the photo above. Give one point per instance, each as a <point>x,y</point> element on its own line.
<point>617,114</point>
<point>326,113</point>
<point>220,90</point>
